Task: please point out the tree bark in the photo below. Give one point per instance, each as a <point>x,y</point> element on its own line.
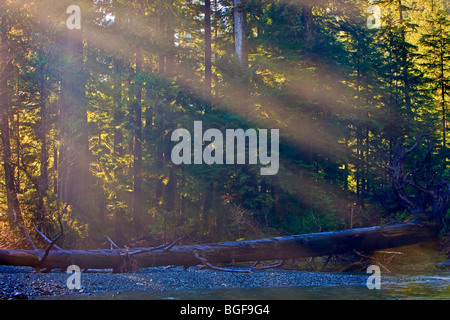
<point>43,184</point>
<point>281,248</point>
<point>74,152</point>
<point>208,51</point>
<point>7,73</point>
<point>159,127</point>
<point>170,54</point>
<point>137,146</point>
<point>240,33</point>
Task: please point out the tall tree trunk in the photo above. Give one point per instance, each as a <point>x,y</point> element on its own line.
<point>208,50</point>
<point>14,212</point>
<point>170,55</point>
<point>308,34</point>
<point>74,159</point>
<point>159,119</point>
<point>161,63</point>
<point>404,56</point>
<point>5,104</point>
<point>55,169</point>
<point>43,184</point>
<point>182,200</point>
<point>169,188</point>
<point>240,33</point>
<point>118,115</point>
<point>169,191</point>
<point>17,149</point>
<point>308,23</point>
<point>309,62</point>
<point>159,156</point>
<point>137,145</point>
<point>443,102</point>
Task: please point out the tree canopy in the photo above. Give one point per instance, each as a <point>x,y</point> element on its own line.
<point>88,111</point>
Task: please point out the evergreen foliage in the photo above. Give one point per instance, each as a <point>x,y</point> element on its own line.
<point>87,115</point>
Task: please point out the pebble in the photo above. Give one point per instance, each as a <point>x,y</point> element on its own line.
<point>19,295</point>
<point>21,283</point>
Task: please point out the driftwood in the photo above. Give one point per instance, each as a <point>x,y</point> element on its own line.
<point>268,249</point>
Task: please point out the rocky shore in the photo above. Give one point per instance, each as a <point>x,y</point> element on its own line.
<point>24,283</point>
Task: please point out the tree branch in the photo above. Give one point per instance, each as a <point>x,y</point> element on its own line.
<point>52,243</point>
<point>269,266</point>
<point>112,243</point>
<point>206,264</point>
<point>25,231</point>
<point>45,238</point>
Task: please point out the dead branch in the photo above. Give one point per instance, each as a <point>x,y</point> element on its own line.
<point>310,263</point>
<point>52,243</point>
<point>269,266</point>
<point>129,263</point>
<point>207,265</point>
<point>170,246</point>
<point>357,264</point>
<point>415,190</point>
<point>139,251</point>
<point>148,237</point>
<point>25,231</point>
<point>112,243</point>
<point>326,262</point>
<point>164,247</point>
<point>372,259</point>
<point>45,238</point>
<point>389,255</point>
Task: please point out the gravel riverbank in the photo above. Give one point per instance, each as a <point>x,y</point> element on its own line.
<point>24,283</point>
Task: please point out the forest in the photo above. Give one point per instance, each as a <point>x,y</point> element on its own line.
<point>92,90</point>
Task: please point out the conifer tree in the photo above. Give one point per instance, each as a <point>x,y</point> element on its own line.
<point>435,55</point>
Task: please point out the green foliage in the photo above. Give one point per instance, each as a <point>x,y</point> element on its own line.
<point>339,93</point>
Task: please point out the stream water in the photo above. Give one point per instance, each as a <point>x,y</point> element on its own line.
<point>430,286</point>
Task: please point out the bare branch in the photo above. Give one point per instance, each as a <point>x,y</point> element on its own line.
<point>206,264</point>
<point>427,197</point>
<point>139,251</point>
<point>112,243</point>
<point>170,246</point>
<point>416,144</point>
<point>52,243</point>
<point>372,259</point>
<point>269,266</point>
<point>45,238</point>
<point>25,231</point>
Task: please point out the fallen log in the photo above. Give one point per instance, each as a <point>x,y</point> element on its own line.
<point>280,248</point>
